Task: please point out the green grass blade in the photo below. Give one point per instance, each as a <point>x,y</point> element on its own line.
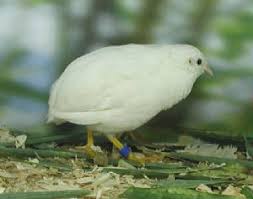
<point>28,152</point>
<point>188,183</point>
<point>45,195</point>
<point>147,172</point>
<point>198,158</point>
<point>164,166</point>
<point>247,192</point>
<point>171,193</point>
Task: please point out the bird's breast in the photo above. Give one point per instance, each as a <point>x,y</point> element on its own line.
<point>176,92</point>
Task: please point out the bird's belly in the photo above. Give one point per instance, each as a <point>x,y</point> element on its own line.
<point>139,111</point>
<point>123,120</point>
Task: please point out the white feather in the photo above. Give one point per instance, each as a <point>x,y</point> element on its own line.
<point>119,88</point>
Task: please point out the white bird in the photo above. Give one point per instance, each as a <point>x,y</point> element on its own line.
<point>119,88</point>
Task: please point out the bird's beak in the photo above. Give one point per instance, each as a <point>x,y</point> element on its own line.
<point>208,70</point>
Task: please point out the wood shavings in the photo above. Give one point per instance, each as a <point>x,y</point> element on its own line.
<point>99,194</point>
<point>204,188</point>
<point>85,180</point>
<point>5,136</point>
<point>20,141</point>
<point>2,189</point>
<point>105,179</point>
<point>59,185</point>
<point>233,191</point>
<point>33,160</point>
<point>30,176</point>
<point>23,166</point>
<point>5,174</point>
<point>46,174</point>
<point>96,148</point>
<point>213,150</point>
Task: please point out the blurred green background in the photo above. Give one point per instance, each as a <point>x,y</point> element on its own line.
<point>39,38</point>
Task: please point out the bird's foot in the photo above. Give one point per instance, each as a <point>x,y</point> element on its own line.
<point>95,153</point>
<point>90,150</point>
<point>138,158</point>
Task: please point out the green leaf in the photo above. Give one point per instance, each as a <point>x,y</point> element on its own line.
<point>247,192</point>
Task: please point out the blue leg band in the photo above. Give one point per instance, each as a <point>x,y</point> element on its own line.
<point>125,151</point>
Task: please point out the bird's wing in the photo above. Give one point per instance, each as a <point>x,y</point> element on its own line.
<point>101,82</point>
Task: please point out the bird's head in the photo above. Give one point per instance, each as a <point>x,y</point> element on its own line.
<point>190,59</point>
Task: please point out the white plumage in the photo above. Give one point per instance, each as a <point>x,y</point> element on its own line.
<point>119,88</point>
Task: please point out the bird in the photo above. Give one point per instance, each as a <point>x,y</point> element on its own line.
<point>117,89</point>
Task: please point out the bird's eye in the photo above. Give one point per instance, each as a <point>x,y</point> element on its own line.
<point>199,61</point>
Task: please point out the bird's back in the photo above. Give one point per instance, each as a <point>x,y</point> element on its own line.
<point>91,76</point>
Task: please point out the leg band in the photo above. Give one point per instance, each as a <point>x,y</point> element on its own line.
<point>125,151</point>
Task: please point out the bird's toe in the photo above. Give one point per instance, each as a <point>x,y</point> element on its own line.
<point>138,158</point>
<point>90,150</point>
